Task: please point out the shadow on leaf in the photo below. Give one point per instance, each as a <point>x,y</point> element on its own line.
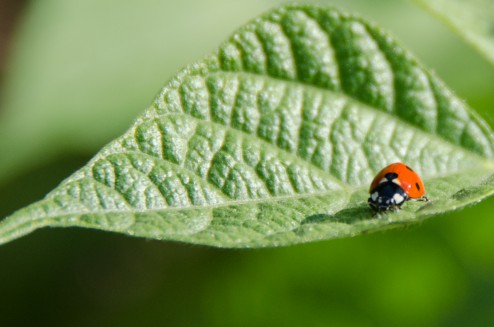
<point>347,216</point>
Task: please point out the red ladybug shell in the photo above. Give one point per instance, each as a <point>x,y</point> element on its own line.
<point>409,180</point>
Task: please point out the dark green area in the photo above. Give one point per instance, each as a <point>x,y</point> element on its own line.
<point>437,274</point>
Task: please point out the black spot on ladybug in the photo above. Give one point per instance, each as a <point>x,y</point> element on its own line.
<point>418,186</point>
<point>409,168</point>
<point>391,176</point>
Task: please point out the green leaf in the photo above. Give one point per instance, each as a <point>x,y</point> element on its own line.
<point>472,19</point>
<point>274,139</point>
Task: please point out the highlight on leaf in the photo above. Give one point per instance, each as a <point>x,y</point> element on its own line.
<point>273,140</point>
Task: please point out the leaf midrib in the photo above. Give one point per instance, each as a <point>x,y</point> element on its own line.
<point>206,206</point>
<point>45,220</point>
<point>351,190</point>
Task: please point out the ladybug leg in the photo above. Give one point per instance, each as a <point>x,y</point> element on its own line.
<point>423,198</point>
<point>395,207</point>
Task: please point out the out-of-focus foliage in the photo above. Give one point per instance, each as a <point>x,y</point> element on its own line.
<point>91,63</point>
<point>472,19</point>
<point>437,275</point>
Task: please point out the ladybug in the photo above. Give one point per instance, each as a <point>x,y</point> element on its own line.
<point>394,185</point>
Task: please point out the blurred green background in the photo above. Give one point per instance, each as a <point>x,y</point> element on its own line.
<point>74,74</point>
